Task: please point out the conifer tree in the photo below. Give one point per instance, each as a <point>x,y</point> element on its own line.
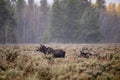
<point>100,3</point>
<point>90,28</point>
<point>7,22</point>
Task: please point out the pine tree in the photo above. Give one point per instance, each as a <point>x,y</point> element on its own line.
<point>90,28</point>
<point>69,19</point>
<point>44,5</point>
<point>31,27</point>
<point>73,12</point>
<point>7,22</point>
<point>55,21</point>
<point>31,3</point>
<point>100,3</point>
<point>44,8</point>
<point>65,20</point>
<point>20,4</point>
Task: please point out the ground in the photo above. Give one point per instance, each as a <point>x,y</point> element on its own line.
<point>23,62</point>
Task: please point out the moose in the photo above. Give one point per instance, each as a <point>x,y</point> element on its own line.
<point>85,55</point>
<point>57,53</point>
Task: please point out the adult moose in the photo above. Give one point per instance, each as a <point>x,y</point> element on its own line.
<point>57,53</point>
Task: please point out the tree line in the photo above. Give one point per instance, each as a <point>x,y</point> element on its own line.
<point>68,21</point>
<point>23,22</point>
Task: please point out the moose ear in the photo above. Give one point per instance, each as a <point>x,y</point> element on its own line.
<point>41,45</point>
<point>81,51</point>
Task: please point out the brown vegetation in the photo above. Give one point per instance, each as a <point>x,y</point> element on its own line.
<point>23,62</point>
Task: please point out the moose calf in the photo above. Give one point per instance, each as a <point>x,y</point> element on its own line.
<point>85,55</point>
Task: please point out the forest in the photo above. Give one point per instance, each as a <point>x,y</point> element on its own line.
<point>64,40</point>
<point>65,21</point>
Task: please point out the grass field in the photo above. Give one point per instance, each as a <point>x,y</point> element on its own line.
<point>23,62</point>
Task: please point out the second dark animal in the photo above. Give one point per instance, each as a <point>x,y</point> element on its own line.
<point>85,55</point>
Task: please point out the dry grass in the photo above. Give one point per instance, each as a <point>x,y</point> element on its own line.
<point>23,62</point>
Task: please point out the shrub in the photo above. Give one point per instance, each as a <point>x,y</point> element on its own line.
<point>2,78</point>
<point>44,74</point>
<point>13,74</point>
<point>11,56</point>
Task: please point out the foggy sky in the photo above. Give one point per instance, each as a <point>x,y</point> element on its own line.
<point>108,1</point>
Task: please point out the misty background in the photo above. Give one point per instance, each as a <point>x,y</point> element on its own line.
<point>59,21</point>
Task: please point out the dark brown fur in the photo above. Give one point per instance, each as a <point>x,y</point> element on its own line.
<point>85,55</point>
<point>57,53</point>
